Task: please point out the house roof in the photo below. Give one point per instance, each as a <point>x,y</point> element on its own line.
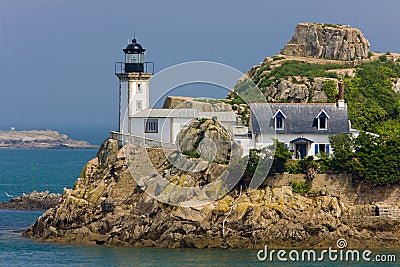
<point>301,140</point>
<point>300,118</point>
<point>226,116</point>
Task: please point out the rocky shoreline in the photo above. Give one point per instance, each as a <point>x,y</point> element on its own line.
<point>107,207</point>
<point>40,139</point>
<point>33,201</point>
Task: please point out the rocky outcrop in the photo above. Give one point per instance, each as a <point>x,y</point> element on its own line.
<point>396,85</point>
<point>107,207</point>
<point>288,91</point>
<point>39,139</point>
<point>206,138</point>
<point>203,105</point>
<point>33,201</point>
<point>299,90</point>
<point>107,153</point>
<point>329,41</point>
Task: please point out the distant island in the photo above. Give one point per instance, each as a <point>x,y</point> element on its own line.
<point>40,139</point>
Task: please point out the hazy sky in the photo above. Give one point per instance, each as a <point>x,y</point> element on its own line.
<point>57,57</point>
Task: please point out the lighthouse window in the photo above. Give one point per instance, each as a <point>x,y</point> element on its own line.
<point>138,89</point>
<point>138,105</point>
<point>132,58</point>
<point>151,126</point>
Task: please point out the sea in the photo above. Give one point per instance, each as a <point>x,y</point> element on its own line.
<point>22,171</point>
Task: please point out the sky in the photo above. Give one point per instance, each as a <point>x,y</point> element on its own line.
<point>57,57</point>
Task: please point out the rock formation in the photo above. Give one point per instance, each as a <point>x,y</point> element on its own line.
<point>327,41</point>
<point>199,104</point>
<point>207,138</point>
<point>107,207</point>
<point>288,91</point>
<point>33,201</point>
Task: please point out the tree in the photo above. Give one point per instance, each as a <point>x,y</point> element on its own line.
<point>378,158</point>
<point>282,154</point>
<point>343,153</point>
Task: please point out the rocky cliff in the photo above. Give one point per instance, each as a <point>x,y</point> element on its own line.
<point>39,139</point>
<point>107,206</point>
<point>331,41</point>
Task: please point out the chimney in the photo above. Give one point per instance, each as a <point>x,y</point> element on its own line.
<point>340,103</point>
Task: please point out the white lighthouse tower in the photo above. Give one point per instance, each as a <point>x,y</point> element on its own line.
<point>133,75</point>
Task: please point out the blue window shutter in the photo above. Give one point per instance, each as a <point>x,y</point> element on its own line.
<point>327,149</point>
<point>316,149</point>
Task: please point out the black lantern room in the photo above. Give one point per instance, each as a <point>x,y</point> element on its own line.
<point>134,57</point>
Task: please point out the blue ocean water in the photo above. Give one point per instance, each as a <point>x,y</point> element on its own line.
<point>24,170</point>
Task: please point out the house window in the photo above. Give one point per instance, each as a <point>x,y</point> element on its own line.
<point>322,118</point>
<point>321,148</point>
<point>151,126</point>
<point>138,105</point>
<point>138,88</point>
<point>279,123</point>
<point>279,120</point>
<point>322,123</point>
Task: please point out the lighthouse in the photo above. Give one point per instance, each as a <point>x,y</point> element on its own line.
<point>134,75</point>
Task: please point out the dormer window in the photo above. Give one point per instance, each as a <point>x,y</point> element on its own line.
<point>322,118</point>
<point>279,119</point>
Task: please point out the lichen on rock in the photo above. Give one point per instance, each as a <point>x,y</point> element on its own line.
<point>331,41</point>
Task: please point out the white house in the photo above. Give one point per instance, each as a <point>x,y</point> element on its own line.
<point>303,127</point>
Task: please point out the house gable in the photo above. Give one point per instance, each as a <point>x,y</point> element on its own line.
<point>300,118</point>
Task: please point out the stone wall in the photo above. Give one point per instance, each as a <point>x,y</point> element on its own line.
<point>342,186</point>
<point>139,141</point>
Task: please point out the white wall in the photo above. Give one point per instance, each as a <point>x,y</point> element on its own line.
<point>164,129</point>
<point>135,96</point>
<point>246,143</point>
<point>264,140</point>
<point>176,126</point>
<point>123,105</point>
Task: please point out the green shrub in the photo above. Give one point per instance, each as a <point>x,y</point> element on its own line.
<point>329,87</point>
<point>282,154</point>
<point>191,153</point>
<point>331,25</point>
<point>301,188</point>
<point>293,167</point>
<point>275,58</point>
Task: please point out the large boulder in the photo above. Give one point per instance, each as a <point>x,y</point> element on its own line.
<point>172,102</point>
<point>329,41</point>
<point>207,139</point>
